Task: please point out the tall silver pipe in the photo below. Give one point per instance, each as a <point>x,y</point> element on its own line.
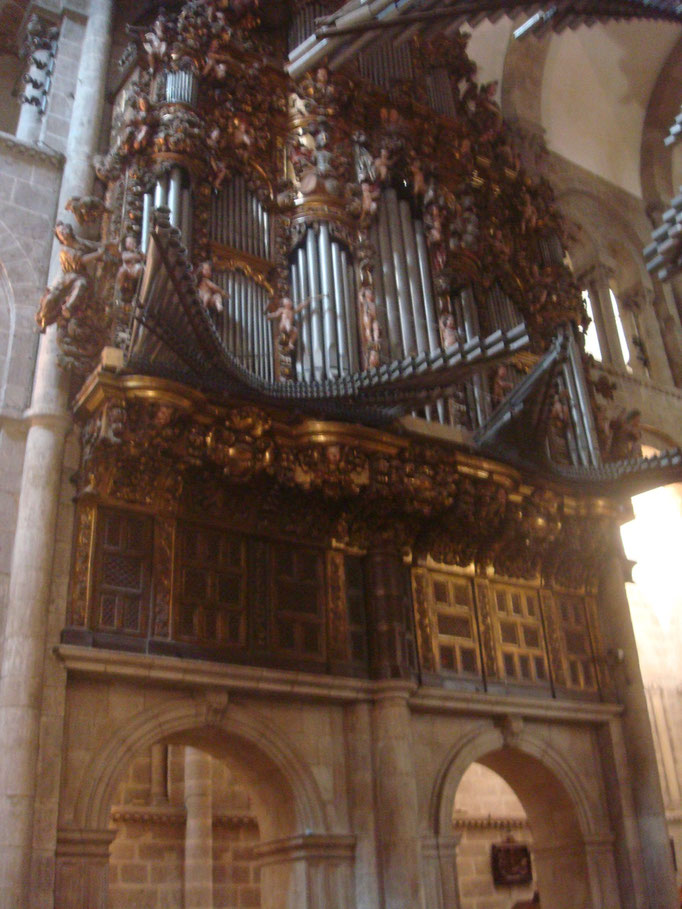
<point>342,304</point>
<point>161,192</point>
<point>407,327</point>
<point>305,355</point>
<point>414,276</point>
<point>316,331</point>
<point>329,302</point>
<point>394,338</point>
<point>245,216</point>
<point>251,322</point>
<point>147,207</point>
<point>266,232</point>
<point>379,293</point>
<point>297,296</point>
<point>239,291</point>
<point>351,312</point>
<point>186,226</point>
<point>270,362</point>
<point>229,308</point>
<point>427,291</point>
<point>255,227</point>
<point>261,231</point>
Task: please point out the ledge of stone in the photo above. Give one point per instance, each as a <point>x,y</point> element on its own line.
<point>40,153</point>
<point>487,822</point>
<point>152,814</point>
<point>193,674</point>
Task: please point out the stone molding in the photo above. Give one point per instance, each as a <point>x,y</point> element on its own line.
<point>146,814</point>
<point>487,822</point>
<point>27,150</point>
<point>441,847</point>
<point>330,846</point>
<point>193,674</point>
<point>83,844</point>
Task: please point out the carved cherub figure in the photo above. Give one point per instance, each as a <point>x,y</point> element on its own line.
<point>383,165</point>
<point>210,293</point>
<point>371,329</point>
<point>369,201</point>
<point>448,329</point>
<point>72,290</point>
<point>132,266</point>
<point>418,179</point>
<point>286,328</point>
<point>155,43</point>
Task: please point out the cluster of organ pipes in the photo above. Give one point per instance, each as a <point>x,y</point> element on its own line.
<point>238,220</point>
<point>245,328</point>
<point>322,279</point>
<point>172,191</point>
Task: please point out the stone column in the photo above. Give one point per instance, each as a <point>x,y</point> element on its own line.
<point>665,308</point>
<point>391,641</point>
<point>29,589</point>
<point>396,798</point>
<point>646,790</point>
<point>83,869</point>
<point>199,830</point>
<point>358,735</point>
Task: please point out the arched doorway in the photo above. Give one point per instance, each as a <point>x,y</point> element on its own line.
<point>565,825</point>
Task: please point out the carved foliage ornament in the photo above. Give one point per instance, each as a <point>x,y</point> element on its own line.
<point>159,451</point>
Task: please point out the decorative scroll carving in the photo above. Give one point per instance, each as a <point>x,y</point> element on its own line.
<point>82,564</point>
<point>164,537</point>
<point>425,635</point>
<point>483,605</point>
<point>338,644</point>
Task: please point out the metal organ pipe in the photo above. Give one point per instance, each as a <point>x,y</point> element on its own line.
<point>317,339</point>
<point>147,209</point>
<point>395,345</point>
<point>328,301</point>
<point>305,356</point>
<point>427,291</point>
<point>342,302</point>
<point>414,276</point>
<point>175,197</point>
<point>348,276</point>
<point>407,327</point>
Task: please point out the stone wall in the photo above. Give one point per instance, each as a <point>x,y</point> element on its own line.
<point>148,854</point>
<point>486,812</point>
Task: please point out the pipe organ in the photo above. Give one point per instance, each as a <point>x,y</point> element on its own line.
<point>352,220</point>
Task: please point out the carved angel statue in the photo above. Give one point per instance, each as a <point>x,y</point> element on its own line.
<point>71,303</point>
<point>155,43</point>
<point>210,293</point>
<point>69,293</point>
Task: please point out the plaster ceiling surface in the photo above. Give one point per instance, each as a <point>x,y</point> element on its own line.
<point>596,87</point>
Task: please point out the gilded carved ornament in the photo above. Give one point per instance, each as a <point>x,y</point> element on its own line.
<point>153,443</point>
